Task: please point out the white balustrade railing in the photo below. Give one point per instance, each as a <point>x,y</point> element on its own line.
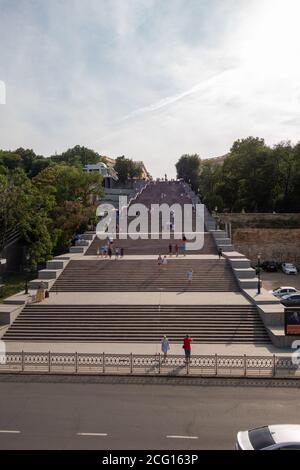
<point>147,364</point>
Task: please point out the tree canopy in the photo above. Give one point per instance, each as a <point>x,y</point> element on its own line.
<point>47,202</point>
<point>127,168</point>
<point>188,168</point>
<point>253,177</point>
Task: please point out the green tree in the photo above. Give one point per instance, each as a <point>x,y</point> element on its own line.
<point>76,193</point>
<point>25,208</point>
<point>77,156</point>
<point>127,168</point>
<point>188,168</point>
<point>245,182</point>
<point>10,160</point>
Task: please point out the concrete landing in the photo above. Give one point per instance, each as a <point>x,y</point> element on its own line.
<point>147,298</point>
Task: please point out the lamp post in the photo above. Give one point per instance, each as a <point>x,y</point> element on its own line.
<point>216,217</point>
<point>258,272</point>
<point>2,263</point>
<point>27,258</point>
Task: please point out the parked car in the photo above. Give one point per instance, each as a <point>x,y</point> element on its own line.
<point>289,268</point>
<point>291,299</point>
<point>269,266</point>
<point>274,437</point>
<point>282,291</point>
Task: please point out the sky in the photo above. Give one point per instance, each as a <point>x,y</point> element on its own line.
<point>148,79</point>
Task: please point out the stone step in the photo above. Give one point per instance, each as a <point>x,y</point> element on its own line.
<point>136,323</point>
<point>77,249</point>
<point>48,274</point>
<point>55,264</point>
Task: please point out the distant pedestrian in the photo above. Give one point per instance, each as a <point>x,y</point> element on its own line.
<point>170,249</point>
<point>187,347</point>
<point>122,252</point>
<point>109,252</point>
<point>159,260</point>
<point>165,346</point>
<point>40,293</point>
<point>220,253</point>
<point>165,260</point>
<point>117,253</point>
<point>189,275</point>
<point>177,250</point>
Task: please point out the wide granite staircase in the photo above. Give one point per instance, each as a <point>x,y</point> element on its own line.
<point>132,322</point>
<point>209,275</point>
<point>138,323</point>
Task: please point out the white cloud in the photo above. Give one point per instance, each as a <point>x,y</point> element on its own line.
<point>2,92</point>
<point>149,79</point>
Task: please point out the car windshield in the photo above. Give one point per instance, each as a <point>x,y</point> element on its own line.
<point>289,266</point>
<point>276,289</point>
<point>261,438</point>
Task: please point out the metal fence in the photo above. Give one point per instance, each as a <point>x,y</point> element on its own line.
<point>143,364</point>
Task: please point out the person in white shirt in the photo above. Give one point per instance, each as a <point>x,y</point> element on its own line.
<point>165,346</point>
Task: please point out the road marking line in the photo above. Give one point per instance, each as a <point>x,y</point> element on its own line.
<point>182,437</point>
<point>5,431</point>
<point>91,434</point>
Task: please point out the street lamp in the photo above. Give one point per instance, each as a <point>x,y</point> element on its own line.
<point>216,217</point>
<point>2,263</point>
<point>258,272</point>
<point>26,270</point>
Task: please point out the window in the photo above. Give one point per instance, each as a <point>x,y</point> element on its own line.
<point>261,438</point>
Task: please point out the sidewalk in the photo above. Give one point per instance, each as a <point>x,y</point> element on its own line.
<point>147,348</point>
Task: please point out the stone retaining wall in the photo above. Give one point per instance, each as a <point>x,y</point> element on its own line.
<point>273,244</point>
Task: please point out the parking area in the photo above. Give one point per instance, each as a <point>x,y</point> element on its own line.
<point>273,280</point>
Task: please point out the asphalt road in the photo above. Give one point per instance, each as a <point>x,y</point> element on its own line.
<point>131,416</point>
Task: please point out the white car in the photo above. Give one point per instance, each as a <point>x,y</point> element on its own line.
<point>291,299</point>
<point>289,268</point>
<point>274,437</point>
<point>281,291</point>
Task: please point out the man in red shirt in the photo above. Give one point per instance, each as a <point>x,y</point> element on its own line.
<point>187,347</point>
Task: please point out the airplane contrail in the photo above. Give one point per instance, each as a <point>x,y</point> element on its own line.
<point>172,99</point>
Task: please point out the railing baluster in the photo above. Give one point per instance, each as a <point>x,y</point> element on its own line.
<point>76,362</point>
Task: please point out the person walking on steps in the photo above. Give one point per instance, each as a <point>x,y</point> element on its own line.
<point>165,346</point>
<point>187,347</point>
<point>159,260</point>
<point>170,249</point>
<point>177,250</point>
<point>109,252</point>
<point>189,276</point>
<point>220,253</point>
